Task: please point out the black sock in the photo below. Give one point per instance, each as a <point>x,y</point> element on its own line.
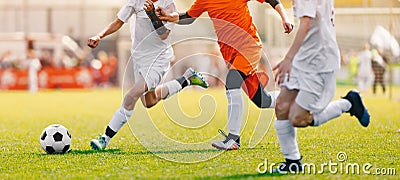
<point>182,81</point>
<point>293,165</point>
<point>312,123</point>
<point>109,132</point>
<point>293,160</point>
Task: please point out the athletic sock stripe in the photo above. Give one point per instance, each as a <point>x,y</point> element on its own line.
<point>109,132</point>
<point>182,81</point>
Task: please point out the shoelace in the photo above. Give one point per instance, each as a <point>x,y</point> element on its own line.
<point>101,139</point>
<point>222,133</point>
<point>202,78</point>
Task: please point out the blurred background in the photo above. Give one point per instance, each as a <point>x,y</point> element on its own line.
<point>48,39</point>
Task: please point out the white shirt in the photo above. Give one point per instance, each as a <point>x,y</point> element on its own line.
<point>147,47</point>
<point>365,64</point>
<point>319,51</point>
<point>33,68</point>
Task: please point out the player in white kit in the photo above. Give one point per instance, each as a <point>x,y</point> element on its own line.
<point>151,55</point>
<point>307,79</point>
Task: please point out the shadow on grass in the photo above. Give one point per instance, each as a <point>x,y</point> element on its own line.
<point>145,152</point>
<point>184,151</point>
<point>118,151</point>
<point>72,151</point>
<point>192,151</point>
<point>109,151</point>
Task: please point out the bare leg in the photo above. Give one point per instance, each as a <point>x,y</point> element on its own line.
<point>134,93</point>
<point>284,129</point>
<point>124,113</point>
<point>299,117</point>
<point>284,101</point>
<point>121,116</point>
<point>165,90</point>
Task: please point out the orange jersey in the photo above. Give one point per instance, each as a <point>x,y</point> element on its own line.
<point>233,25</point>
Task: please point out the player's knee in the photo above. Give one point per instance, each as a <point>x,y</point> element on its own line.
<point>234,79</point>
<point>282,109</point>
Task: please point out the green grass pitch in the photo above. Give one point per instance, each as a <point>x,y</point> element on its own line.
<point>23,116</point>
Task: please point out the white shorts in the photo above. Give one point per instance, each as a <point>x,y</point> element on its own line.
<point>152,75</point>
<point>316,90</point>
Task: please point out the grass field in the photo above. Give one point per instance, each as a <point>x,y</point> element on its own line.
<point>86,113</point>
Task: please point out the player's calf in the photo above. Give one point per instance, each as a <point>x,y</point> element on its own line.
<point>262,99</point>
<point>282,108</point>
<point>150,99</point>
<point>299,117</point>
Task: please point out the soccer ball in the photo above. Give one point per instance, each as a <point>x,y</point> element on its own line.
<point>55,139</point>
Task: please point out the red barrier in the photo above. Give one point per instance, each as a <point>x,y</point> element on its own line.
<point>48,78</point>
<point>13,79</point>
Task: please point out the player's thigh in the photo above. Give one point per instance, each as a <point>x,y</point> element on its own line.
<point>151,75</point>
<point>138,88</point>
<point>247,59</point>
<point>316,91</point>
<point>298,116</point>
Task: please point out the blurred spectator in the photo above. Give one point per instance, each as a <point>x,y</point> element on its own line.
<point>104,69</point>
<point>33,67</point>
<point>113,63</point>
<point>379,68</point>
<point>68,62</point>
<point>353,66</point>
<point>6,59</point>
<point>364,75</point>
<point>46,57</point>
<point>72,35</point>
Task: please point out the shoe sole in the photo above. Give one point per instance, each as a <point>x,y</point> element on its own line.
<point>225,149</point>
<point>365,119</point>
<point>200,78</point>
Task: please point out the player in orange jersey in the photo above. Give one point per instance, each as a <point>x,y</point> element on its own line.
<point>240,46</point>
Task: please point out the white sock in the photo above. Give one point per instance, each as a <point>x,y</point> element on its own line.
<point>120,117</point>
<point>235,110</point>
<point>173,87</point>
<point>188,73</point>
<point>333,110</point>
<point>287,139</point>
<point>274,95</point>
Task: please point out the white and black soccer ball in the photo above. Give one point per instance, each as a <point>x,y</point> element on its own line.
<point>55,139</point>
